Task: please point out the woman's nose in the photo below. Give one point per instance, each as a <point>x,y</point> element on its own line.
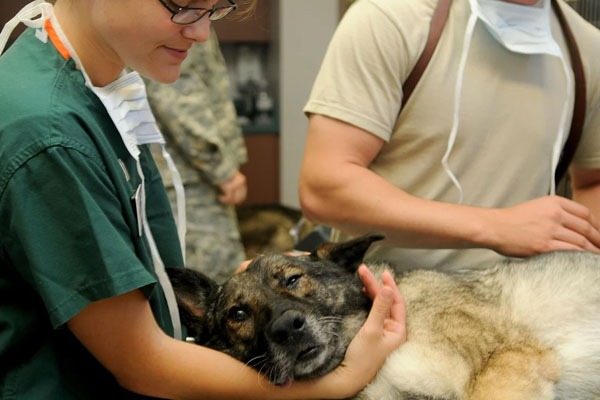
<point>199,31</point>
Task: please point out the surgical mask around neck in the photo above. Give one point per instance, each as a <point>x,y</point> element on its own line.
<point>520,29</point>
<point>127,104</point>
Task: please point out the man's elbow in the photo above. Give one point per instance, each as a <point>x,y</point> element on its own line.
<point>314,203</point>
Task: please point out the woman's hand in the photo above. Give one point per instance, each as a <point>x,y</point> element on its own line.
<point>383,332</point>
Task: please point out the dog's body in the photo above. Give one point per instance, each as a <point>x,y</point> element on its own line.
<point>527,329</point>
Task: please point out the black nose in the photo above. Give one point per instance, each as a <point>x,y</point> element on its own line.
<point>288,326</point>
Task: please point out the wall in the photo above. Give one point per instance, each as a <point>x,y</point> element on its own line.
<point>8,9</point>
<point>305,28</point>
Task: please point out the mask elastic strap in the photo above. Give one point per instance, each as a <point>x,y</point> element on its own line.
<point>159,267</point>
<point>25,16</point>
<point>180,197</point>
<point>457,96</point>
<point>558,143</point>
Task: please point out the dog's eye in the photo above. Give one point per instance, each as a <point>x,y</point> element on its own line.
<point>292,281</point>
<point>238,314</point>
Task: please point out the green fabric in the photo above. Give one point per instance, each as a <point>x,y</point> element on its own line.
<point>68,226</point>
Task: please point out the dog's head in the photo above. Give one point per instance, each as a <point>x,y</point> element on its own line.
<point>288,317</point>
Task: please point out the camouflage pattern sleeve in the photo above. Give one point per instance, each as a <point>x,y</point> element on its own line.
<point>197,116</point>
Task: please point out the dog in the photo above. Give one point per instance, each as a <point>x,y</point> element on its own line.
<point>270,228</point>
<point>522,329</point>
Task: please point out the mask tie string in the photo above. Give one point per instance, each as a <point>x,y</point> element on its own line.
<point>560,137</point>
<point>457,95</point>
<point>159,267</point>
<point>37,8</point>
<point>180,197</point>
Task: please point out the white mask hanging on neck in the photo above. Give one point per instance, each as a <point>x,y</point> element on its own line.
<point>520,29</point>
<point>127,104</point>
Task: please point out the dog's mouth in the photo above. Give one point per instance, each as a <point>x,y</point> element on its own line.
<point>308,353</point>
<point>309,361</point>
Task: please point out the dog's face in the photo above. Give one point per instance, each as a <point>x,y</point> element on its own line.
<point>288,317</point>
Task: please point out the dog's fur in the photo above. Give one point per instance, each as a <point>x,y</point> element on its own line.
<point>520,330</point>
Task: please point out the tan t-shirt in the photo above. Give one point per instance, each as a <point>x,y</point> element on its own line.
<point>509,112</point>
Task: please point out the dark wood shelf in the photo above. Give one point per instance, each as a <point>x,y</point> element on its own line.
<point>262,168</point>
<point>254,28</point>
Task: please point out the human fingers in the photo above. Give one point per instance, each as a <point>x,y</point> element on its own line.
<point>568,239</point>
<point>392,318</point>
<point>579,210</point>
<point>583,225</point>
<point>386,323</point>
<point>371,285</point>
<point>232,193</point>
<point>397,320</point>
<point>380,334</point>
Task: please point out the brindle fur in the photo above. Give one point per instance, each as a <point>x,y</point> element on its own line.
<point>520,330</point>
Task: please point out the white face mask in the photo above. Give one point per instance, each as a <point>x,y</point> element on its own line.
<point>520,29</point>
<point>127,104</point>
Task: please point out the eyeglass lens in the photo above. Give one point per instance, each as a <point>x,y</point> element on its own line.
<point>188,16</point>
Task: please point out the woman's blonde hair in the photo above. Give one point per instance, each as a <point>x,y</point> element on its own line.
<point>245,8</point>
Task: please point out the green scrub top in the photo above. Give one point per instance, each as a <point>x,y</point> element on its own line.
<point>68,225</point>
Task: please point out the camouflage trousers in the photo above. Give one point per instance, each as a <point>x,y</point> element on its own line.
<point>213,244</point>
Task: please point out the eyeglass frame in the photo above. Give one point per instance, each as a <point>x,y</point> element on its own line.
<point>210,11</point>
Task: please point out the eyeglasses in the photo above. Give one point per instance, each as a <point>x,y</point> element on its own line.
<point>189,15</point>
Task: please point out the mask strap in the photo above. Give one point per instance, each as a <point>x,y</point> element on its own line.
<point>25,15</point>
<point>457,96</point>
<point>179,195</point>
<point>558,143</point>
<point>159,267</point>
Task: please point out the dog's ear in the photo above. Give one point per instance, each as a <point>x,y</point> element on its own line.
<point>348,254</point>
<point>193,291</point>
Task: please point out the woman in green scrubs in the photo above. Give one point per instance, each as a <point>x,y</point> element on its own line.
<point>85,224</point>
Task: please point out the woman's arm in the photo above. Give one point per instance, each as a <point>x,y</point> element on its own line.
<point>122,334</point>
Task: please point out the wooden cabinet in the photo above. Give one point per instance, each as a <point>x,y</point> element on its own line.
<point>252,28</point>
<point>262,168</point>
<point>262,142</point>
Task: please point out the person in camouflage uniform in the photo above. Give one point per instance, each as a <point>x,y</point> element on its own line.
<point>199,122</point>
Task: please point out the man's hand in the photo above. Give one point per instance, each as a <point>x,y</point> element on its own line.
<point>235,190</point>
<point>544,224</point>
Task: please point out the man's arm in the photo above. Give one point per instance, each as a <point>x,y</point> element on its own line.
<point>338,189</point>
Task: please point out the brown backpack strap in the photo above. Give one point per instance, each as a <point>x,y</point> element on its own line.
<point>438,21</point>
<point>580,98</point>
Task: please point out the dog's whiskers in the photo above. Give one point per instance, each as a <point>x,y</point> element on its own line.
<point>257,361</point>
